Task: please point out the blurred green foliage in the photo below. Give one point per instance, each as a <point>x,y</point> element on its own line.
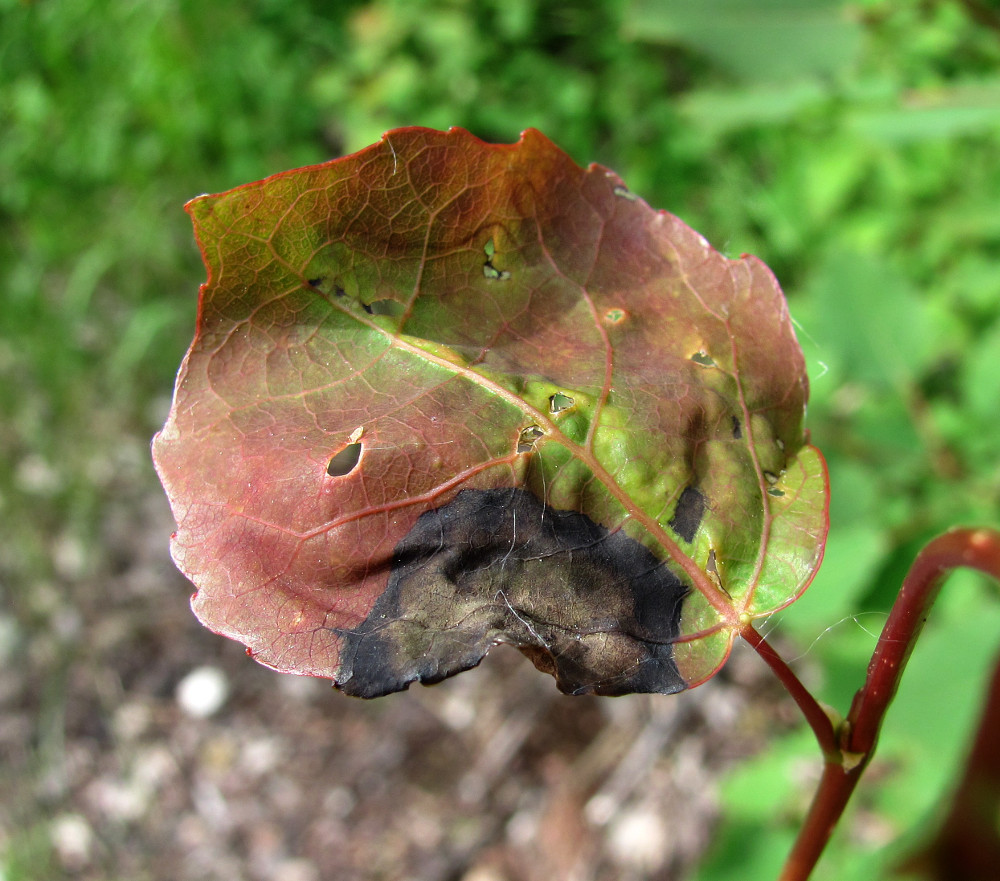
<point>855,147</point>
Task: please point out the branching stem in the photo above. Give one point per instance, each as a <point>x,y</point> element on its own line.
<point>818,718</point>
<point>848,749</point>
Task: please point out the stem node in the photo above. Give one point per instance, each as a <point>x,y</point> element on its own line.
<point>848,744</point>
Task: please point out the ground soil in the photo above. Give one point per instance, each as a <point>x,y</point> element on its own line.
<point>491,776</point>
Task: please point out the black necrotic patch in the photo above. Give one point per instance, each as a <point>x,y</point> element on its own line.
<point>688,513</point>
<point>592,607</point>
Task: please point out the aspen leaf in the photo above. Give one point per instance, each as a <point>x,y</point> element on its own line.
<point>445,394</point>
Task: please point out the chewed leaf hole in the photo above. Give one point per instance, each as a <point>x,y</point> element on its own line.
<point>344,462</point>
<point>772,480</point>
<point>703,358</point>
<point>526,440</point>
<point>615,316</point>
<point>559,402</point>
<point>325,285</point>
<point>489,270</point>
<point>384,307</point>
<point>493,274</point>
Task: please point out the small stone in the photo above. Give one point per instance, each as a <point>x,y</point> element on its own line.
<point>638,839</point>
<point>339,802</point>
<point>73,840</point>
<point>37,477</point>
<point>203,692</point>
<point>132,720</point>
<point>296,870</point>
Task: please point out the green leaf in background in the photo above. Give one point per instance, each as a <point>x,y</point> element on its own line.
<point>755,41</point>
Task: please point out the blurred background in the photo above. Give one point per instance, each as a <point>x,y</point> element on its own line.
<point>854,146</point>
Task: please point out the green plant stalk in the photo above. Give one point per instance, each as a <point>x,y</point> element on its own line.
<point>853,743</point>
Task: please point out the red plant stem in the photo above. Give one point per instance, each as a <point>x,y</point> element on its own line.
<point>834,791</point>
<point>818,719</point>
<point>858,735</point>
<point>973,548</point>
<point>967,845</point>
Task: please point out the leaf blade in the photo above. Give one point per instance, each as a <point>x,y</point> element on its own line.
<point>428,300</point>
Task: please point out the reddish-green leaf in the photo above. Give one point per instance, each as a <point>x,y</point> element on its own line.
<point>445,394</point>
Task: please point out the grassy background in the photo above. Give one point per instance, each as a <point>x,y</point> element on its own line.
<point>855,147</point>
